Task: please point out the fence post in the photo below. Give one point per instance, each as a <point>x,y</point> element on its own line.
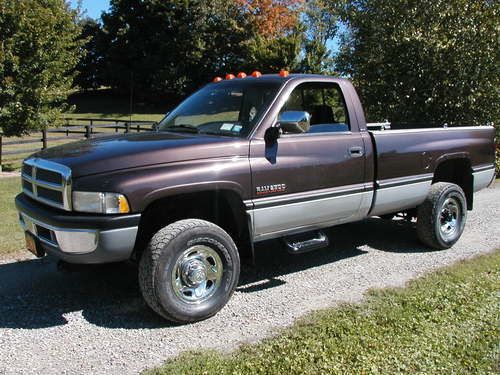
<point>87,131</point>
<point>44,139</point>
<point>0,153</point>
<point>116,126</point>
<point>138,128</point>
<point>127,127</point>
<point>91,126</point>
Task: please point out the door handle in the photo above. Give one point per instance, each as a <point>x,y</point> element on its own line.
<point>356,151</point>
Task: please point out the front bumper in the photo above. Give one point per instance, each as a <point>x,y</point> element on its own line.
<point>79,238</point>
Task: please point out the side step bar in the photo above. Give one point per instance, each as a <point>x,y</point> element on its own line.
<point>303,243</point>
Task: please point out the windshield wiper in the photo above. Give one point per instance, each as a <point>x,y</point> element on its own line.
<point>182,128</point>
<point>220,132</point>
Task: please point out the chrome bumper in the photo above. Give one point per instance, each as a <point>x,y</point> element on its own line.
<point>82,245</point>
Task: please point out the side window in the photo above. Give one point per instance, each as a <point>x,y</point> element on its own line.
<point>325,104</point>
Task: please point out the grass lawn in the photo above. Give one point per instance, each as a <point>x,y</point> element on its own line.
<point>446,322</point>
<point>11,235</point>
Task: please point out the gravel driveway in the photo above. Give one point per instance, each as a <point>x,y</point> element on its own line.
<point>94,321</point>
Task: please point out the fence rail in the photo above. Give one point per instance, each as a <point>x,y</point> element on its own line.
<point>73,129</point>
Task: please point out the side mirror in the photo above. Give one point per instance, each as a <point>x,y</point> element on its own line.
<point>295,122</point>
<point>271,135</point>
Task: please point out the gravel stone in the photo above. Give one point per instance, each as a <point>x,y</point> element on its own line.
<point>93,320</point>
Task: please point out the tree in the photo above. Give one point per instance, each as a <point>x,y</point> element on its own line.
<point>167,48</point>
<point>273,18</point>
<point>424,61</point>
<point>90,68</point>
<point>277,34</point>
<point>321,19</point>
<point>39,49</point>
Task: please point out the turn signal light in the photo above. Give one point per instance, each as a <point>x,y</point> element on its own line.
<point>256,74</point>
<point>241,75</point>
<point>229,76</point>
<point>217,79</point>
<point>284,73</point>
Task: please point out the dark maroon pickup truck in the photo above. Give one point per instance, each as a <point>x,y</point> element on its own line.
<point>241,161</point>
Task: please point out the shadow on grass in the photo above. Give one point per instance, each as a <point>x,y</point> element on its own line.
<point>34,294</point>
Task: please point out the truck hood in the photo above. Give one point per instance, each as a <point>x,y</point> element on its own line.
<point>106,154</point>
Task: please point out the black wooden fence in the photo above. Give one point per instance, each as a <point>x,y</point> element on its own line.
<point>74,129</point>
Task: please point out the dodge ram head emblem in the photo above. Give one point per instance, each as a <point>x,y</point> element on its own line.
<point>270,189</point>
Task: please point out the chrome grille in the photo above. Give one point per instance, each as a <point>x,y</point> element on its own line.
<point>47,182</point>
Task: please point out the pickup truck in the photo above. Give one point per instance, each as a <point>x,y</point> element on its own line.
<point>240,161</point>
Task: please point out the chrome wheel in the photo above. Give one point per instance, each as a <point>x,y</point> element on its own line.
<point>450,218</point>
<point>197,274</point>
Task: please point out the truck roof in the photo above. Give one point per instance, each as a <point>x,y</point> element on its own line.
<point>277,78</point>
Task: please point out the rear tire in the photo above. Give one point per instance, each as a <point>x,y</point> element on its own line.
<point>189,270</point>
<point>441,217</point>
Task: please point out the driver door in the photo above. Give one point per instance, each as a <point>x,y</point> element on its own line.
<point>312,179</point>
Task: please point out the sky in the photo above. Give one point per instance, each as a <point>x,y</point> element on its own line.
<point>93,8</point>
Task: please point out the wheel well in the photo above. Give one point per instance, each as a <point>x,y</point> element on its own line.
<point>457,171</point>
<point>221,207</point>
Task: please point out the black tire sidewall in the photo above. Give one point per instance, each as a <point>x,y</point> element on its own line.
<point>452,191</point>
<point>225,248</point>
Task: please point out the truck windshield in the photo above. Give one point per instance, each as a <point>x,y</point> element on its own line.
<point>228,108</point>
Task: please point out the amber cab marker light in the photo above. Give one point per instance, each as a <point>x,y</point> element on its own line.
<point>284,73</point>
<point>241,75</point>
<point>217,79</point>
<point>256,74</point>
<point>229,76</point>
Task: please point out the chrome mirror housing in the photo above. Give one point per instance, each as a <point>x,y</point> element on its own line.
<point>294,122</point>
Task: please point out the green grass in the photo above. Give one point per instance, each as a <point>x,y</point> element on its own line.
<point>11,235</point>
<point>446,322</point>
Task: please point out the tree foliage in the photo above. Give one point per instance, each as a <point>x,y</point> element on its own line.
<point>321,20</point>
<point>39,48</point>
<point>272,18</point>
<point>90,68</point>
<point>276,35</point>
<point>169,47</point>
<point>426,60</point>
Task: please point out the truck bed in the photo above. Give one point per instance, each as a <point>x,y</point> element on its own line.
<point>404,172</point>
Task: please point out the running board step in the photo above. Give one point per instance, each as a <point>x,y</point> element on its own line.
<point>303,243</point>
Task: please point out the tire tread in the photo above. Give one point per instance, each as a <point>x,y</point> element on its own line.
<point>427,213</point>
<point>149,260</point>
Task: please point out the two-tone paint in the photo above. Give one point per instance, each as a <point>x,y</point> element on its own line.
<point>324,178</point>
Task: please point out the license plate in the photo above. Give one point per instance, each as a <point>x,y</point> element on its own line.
<point>32,244</point>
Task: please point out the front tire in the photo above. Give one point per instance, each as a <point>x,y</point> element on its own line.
<point>441,217</point>
<point>189,270</point>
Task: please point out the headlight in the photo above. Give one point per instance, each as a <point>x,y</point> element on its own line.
<point>102,203</point>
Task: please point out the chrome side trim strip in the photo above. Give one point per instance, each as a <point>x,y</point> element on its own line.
<point>310,195</point>
<point>248,204</point>
<point>426,130</point>
<point>483,167</point>
<point>398,181</point>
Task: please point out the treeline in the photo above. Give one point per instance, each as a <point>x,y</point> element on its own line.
<point>412,61</point>
<point>168,48</point>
